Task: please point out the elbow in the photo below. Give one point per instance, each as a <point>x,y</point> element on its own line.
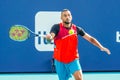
<point>92,40</point>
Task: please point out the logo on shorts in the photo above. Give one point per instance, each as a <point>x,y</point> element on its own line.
<point>44,20</point>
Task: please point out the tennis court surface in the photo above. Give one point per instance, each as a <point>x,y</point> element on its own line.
<point>53,76</point>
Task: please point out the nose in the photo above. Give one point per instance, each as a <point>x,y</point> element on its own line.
<point>68,16</point>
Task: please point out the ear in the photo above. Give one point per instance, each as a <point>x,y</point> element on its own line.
<point>61,17</point>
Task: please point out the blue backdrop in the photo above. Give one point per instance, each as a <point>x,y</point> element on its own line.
<point>99,18</point>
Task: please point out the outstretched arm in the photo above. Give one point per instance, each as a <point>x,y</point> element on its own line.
<point>96,43</point>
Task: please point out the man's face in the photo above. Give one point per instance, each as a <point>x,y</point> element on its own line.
<point>66,17</point>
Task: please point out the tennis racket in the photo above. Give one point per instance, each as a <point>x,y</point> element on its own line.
<point>20,33</point>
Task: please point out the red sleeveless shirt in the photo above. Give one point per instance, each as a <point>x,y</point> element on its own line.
<point>66,45</point>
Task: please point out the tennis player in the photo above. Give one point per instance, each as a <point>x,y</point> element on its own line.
<point>65,36</point>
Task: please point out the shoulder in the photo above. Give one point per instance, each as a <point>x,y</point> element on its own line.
<point>79,27</point>
<point>55,25</point>
<point>55,29</point>
<point>80,31</point>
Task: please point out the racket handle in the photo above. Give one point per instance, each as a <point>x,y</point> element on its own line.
<point>36,35</point>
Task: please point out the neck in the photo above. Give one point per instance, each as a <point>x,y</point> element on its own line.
<point>67,25</point>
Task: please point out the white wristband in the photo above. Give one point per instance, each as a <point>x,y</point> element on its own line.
<point>51,37</point>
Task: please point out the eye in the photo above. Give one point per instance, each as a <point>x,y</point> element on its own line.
<point>65,15</point>
<point>69,15</point>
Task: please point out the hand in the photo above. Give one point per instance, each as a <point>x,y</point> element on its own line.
<point>48,37</point>
<point>106,50</point>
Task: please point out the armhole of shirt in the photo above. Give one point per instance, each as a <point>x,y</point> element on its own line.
<point>80,31</point>
<point>57,28</point>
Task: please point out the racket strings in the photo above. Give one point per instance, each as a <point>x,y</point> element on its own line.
<point>18,33</point>
<point>21,33</point>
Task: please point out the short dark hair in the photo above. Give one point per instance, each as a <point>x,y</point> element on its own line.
<point>65,10</point>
